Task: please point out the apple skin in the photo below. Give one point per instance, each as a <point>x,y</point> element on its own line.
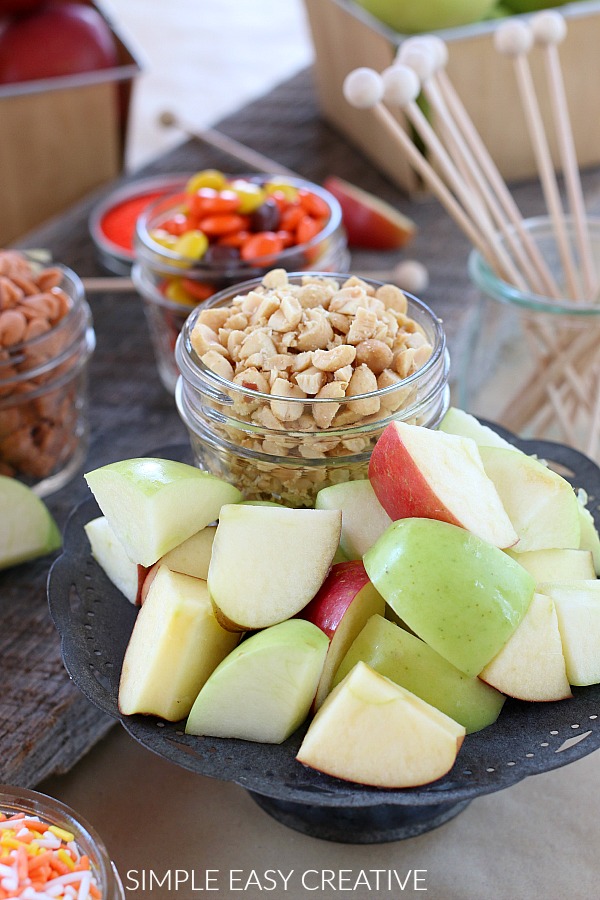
<point>418,472</point>
<point>27,529</point>
<point>461,595</point>
<point>18,7</point>
<point>369,222</point>
<point>59,39</point>
<point>409,17</point>
<point>341,607</point>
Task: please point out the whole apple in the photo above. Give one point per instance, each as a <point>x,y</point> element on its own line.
<point>57,39</point>
<point>16,7</point>
<point>525,6</point>
<point>409,17</point>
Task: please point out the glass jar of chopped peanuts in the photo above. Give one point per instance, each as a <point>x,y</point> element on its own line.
<point>48,850</point>
<point>46,339</point>
<point>287,381</point>
<point>220,230</point>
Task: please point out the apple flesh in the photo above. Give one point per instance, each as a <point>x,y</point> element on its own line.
<point>363,517</point>
<point>372,731</point>
<point>152,505</point>
<point>589,537</point>
<point>578,611</point>
<point>557,564</point>
<point>417,472</point>
<point>531,665</point>
<point>412,664</point>
<point>108,552</point>
<point>458,421</point>
<point>263,690</point>
<point>541,504</point>
<point>58,39</point>
<point>175,644</point>
<point>27,529</point>
<point>462,596</point>
<point>343,604</point>
<point>192,557</point>
<point>267,562</point>
<point>369,222</point>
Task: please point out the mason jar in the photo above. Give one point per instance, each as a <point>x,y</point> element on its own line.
<point>234,436</point>
<point>532,362</point>
<point>46,340</point>
<point>86,841</point>
<point>158,272</point>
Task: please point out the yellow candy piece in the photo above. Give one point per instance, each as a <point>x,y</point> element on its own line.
<point>289,191</point>
<point>175,292</point>
<point>251,195</point>
<point>164,238</point>
<point>193,244</point>
<point>211,178</point>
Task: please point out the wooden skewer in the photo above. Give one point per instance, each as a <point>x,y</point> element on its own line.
<point>227,145</point>
<point>514,39</point>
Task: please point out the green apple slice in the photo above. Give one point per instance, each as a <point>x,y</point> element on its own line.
<point>110,555</point>
<point>175,644</point>
<point>578,610</point>
<point>363,517</point>
<point>558,564</point>
<point>461,595</point>
<point>264,689</point>
<point>531,665</point>
<point>541,504</point>
<point>192,557</point>
<point>153,505</point>
<point>458,421</point>
<point>414,665</point>
<point>372,731</point>
<point>27,529</point>
<point>268,562</point>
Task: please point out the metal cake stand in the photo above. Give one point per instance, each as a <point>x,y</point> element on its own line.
<point>95,621</point>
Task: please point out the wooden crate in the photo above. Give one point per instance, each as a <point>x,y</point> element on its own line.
<point>61,138</point>
<point>345,37</point>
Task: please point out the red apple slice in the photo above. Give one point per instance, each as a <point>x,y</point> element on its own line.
<point>417,472</point>
<point>369,221</point>
<point>342,606</point>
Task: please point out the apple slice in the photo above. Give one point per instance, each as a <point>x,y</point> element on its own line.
<point>578,611</point>
<point>267,562</point>
<point>342,606</point>
<point>429,474</point>
<point>363,517</point>
<point>369,221</point>
<point>27,529</point>
<point>411,663</point>
<point>264,689</point>
<point>589,538</point>
<point>461,595</point>
<point>153,505</point>
<point>541,504</point>
<point>108,552</point>
<point>373,731</point>
<point>531,665</point>
<point>175,644</point>
<point>557,564</point>
<point>192,557</point>
<point>458,421</point>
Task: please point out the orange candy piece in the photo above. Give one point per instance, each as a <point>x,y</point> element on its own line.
<point>261,244</point>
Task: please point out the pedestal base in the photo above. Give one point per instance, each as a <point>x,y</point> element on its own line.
<point>359,825</point>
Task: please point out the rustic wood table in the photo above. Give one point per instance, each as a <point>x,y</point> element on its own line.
<point>46,725</point>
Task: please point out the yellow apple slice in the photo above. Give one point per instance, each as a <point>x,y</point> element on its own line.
<point>372,731</point>
<point>175,644</point>
<point>531,665</point>
<point>578,610</point>
<point>110,555</point>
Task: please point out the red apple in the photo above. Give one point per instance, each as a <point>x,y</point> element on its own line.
<point>369,221</point>
<point>17,7</point>
<point>341,608</point>
<point>58,39</point>
<point>418,472</point>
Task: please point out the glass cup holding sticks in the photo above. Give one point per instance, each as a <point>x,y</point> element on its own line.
<point>532,362</point>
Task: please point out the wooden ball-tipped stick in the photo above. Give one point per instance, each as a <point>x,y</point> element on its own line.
<point>362,93</point>
<point>549,30</point>
<point>488,166</point>
<point>401,87</point>
<point>514,39</point>
<point>226,145</point>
